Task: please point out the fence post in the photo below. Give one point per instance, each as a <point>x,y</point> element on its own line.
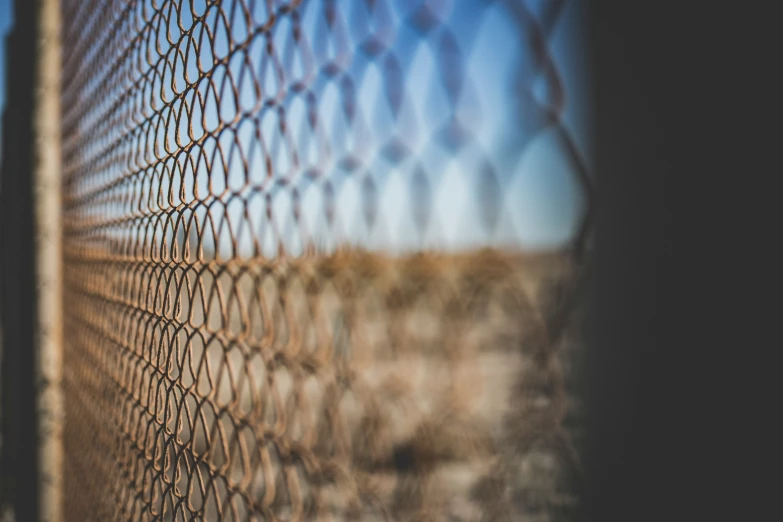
<point>48,215</point>
<point>19,465</point>
<point>30,278</point>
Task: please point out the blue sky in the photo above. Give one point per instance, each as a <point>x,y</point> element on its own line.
<point>542,201</point>
<point>542,198</point>
<point>5,24</point>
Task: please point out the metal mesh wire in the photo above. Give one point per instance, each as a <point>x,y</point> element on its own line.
<point>295,287</point>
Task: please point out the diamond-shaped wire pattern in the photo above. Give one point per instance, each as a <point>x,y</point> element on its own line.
<point>295,281</point>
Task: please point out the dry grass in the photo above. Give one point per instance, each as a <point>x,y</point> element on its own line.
<point>353,386</point>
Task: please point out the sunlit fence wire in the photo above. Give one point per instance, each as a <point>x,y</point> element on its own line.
<point>296,276</point>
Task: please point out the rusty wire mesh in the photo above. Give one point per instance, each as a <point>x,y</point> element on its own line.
<point>267,314</point>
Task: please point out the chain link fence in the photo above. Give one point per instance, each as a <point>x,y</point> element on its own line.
<point>301,273</point>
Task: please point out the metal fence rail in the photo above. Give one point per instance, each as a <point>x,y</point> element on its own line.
<point>295,285</point>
